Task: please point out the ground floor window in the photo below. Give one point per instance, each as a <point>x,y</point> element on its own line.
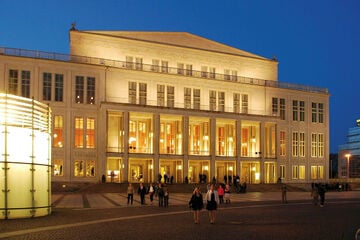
<point>270,172</point>
<point>250,172</point>
<point>114,170</point>
<point>58,167</point>
<point>140,170</point>
<point>79,168</point>
<point>225,171</point>
<point>198,171</point>
<point>170,171</point>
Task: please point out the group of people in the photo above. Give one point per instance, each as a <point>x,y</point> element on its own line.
<point>213,198</point>
<point>159,191</point>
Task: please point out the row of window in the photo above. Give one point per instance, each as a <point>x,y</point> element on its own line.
<point>182,68</point>
<point>298,110</point>
<point>52,86</point>
<point>166,98</point>
<point>141,136</point>
<point>86,168</point>
<point>299,172</point>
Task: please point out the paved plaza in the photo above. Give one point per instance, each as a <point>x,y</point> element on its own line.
<point>253,215</point>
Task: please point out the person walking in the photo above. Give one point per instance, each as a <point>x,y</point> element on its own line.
<point>142,193</point>
<point>130,194</point>
<point>196,204</point>
<point>315,194</point>
<point>283,193</point>
<point>166,195</point>
<point>321,191</point>
<point>160,195</point>
<point>151,192</point>
<point>212,200</point>
<point>227,192</point>
<point>221,194</point>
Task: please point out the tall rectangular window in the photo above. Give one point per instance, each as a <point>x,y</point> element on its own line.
<point>226,74</point>
<point>236,104</point>
<point>302,111</point>
<point>282,172</point>
<point>79,89</point>
<point>180,68</point>
<point>79,132</point>
<point>321,112</point>
<point>90,168</point>
<point>25,84</point>
<point>132,92</point>
<point>115,132</point>
<point>58,129</point>
<point>313,145</point>
<point>142,93</point>
<point>275,106</point>
<point>90,133</point>
<point>234,75</point>
<point>187,97</point>
<point>79,168</point>
<point>13,81</point>
<point>138,63</point>
<point>295,110</point>
<point>188,69</point>
<point>221,96</point>
<point>301,144</point>
<point>212,71</point>
<point>204,71</point>
<point>295,144</point>
<point>164,66</point>
<point>129,62</point>
<point>244,103</point>
<point>90,94</point>
<point>161,95</point>
<point>321,145</point>
<point>295,172</point>
<point>282,143</point>
<point>58,167</point>
<point>155,65</point>
<point>313,112</point>
<point>59,87</point>
<point>301,172</point>
<point>212,100</point>
<point>196,96</point>
<point>47,86</point>
<point>170,96</point>
<point>282,108</point>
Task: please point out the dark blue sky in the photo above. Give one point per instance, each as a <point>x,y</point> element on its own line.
<point>316,42</point>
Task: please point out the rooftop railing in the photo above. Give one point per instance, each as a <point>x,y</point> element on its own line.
<point>157,68</point>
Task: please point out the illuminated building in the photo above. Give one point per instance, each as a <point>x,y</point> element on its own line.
<point>349,154</point>
<point>133,105</point>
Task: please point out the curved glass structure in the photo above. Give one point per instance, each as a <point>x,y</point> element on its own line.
<point>25,157</point>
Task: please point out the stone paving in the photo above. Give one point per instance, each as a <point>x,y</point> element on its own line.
<point>110,200</point>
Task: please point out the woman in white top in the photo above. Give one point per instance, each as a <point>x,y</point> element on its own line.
<point>212,200</point>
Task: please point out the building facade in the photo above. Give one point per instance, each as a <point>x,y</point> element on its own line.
<point>349,154</point>
<point>138,106</point>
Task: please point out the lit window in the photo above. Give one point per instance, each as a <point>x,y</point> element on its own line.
<point>79,168</point>
<point>79,132</point>
<point>90,133</point>
<point>79,89</point>
<point>58,168</point>
<point>58,131</point>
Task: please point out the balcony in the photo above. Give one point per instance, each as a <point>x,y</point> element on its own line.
<point>159,69</point>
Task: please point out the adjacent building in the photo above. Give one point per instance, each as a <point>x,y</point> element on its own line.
<point>138,106</point>
<point>349,154</point>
